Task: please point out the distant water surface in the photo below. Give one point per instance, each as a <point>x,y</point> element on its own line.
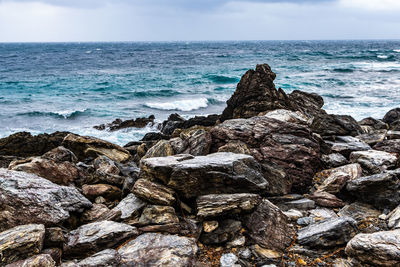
<point>45,87</point>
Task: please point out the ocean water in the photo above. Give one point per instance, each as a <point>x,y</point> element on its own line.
<point>45,87</point>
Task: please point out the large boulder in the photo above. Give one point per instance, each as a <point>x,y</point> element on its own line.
<point>288,152</point>
<point>328,125</point>
<point>21,242</point>
<point>154,249</point>
<point>28,198</point>
<point>215,173</point>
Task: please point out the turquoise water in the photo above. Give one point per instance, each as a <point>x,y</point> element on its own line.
<point>46,87</point>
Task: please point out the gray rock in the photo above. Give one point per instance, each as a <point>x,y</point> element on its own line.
<point>226,231</point>
<point>194,141</point>
<point>322,214</point>
<point>28,198</point>
<point>393,218</point>
<point>217,205</point>
<point>328,233</point>
<point>359,212</point>
<point>334,160</point>
<point>347,144</point>
<point>391,146</point>
<point>325,199</point>
<point>374,161</point>
<point>153,192</point>
<point>154,214</point>
<point>229,260</point>
<point>104,258</point>
<point>106,165</point>
<point>373,137</point>
<point>21,242</point>
<point>289,116</point>
<point>380,248</point>
<point>42,260</point>
<point>214,173</point>
<point>130,206</point>
<point>93,237</point>
<point>159,250</point>
<point>328,125</point>
<point>293,214</point>
<point>300,204</point>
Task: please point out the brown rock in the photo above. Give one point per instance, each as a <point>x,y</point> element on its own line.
<point>325,199</point>
<point>107,191</point>
<point>158,215</point>
<point>42,260</point>
<point>153,192</point>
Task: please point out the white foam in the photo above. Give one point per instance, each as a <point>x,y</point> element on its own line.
<point>182,105</point>
<point>396,50</point>
<point>382,56</point>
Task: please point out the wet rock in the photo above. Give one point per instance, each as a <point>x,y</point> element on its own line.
<point>227,230</point>
<point>335,179</point>
<point>153,192</point>
<point>119,124</point>
<point>325,199</point>
<point>334,160</point>
<point>329,233</point>
<point>42,260</point>
<point>93,237</point>
<point>214,173</point>
<point>154,214</point>
<point>54,237</point>
<point>104,258</point>
<point>86,146</point>
<point>393,218</point>
<point>268,227</point>
<point>229,260</point>
<point>289,116</point>
<point>23,144</point>
<point>374,161</point>
<point>380,248</point>
<point>373,137</point>
<point>21,242</point>
<point>359,211</point>
<point>130,207</point>
<point>159,250</point>
<point>328,125</point>
<point>217,205</point>
<point>95,213</point>
<point>347,144</point>
<point>28,198</point>
<point>288,152</point>
<point>390,146</point>
<point>107,191</point>
<point>380,190</point>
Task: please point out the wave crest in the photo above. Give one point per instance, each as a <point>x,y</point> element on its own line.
<point>181,105</point>
<point>64,114</point>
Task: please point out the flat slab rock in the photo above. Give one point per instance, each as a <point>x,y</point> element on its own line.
<point>191,176</point>
<point>104,258</point>
<point>380,248</point>
<point>153,192</point>
<point>28,198</point>
<point>153,249</point>
<point>374,161</point>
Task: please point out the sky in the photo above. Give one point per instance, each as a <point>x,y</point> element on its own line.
<point>189,20</point>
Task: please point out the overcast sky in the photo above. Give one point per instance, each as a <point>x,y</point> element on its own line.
<point>169,20</point>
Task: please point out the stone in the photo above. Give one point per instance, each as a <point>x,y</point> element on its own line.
<point>94,237</point>
<point>268,227</point>
<point>104,258</point>
<point>373,137</point>
<point>54,237</point>
<point>321,214</point>
<point>217,205</point>
<point>325,199</point>
<point>60,154</point>
<point>380,190</point>
<point>373,123</point>
<point>293,214</point>
<point>238,241</point>
<point>393,135</point>
<point>289,116</point>
<point>390,146</point>
<point>215,173</point>
<point>334,160</point>
<point>130,207</point>
<point>266,253</point>
<point>41,260</point>
<point>288,153</point>
<point>300,204</point>
<point>175,121</point>
<point>162,148</point>
<point>393,218</point>
<point>374,161</point>
<point>21,242</point>
<point>347,144</point>
<point>237,147</point>
<point>194,141</point>
<point>95,213</point>
<point>229,260</point>
<point>360,212</point>
<point>54,253</point>
<point>119,124</point>
<point>107,191</point>
<point>328,233</point>
<point>209,226</point>
<point>227,230</point>
<point>159,250</point>
<point>335,179</point>
<point>392,116</point>
<point>28,198</point>
<point>380,248</point>
<point>153,192</point>
<point>154,214</point>
<point>328,125</point>
<point>105,165</point>
<point>86,146</point>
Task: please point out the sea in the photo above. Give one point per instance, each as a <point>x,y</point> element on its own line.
<point>47,87</point>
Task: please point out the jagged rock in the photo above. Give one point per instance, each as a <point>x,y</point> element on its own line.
<point>393,218</point>
<point>216,205</point>
<point>107,191</point>
<point>328,125</point>
<point>229,260</point>
<point>335,179</point>
<point>106,165</point>
<point>374,161</point>
<point>347,144</point>
<point>162,149</point>
<point>325,199</point>
<point>153,192</point>
<point>186,227</point>
<point>227,230</point>
<point>293,214</point>
<point>42,260</point>
<point>288,152</point>
<point>155,214</point>
<point>267,254</point>
<point>104,258</point>
<point>193,141</point>
<point>159,250</point>
<point>54,237</point>
<point>86,146</point>
<point>289,116</point>
<point>21,242</point>
<point>329,233</point>
<point>390,146</point>
<point>119,124</point>
<point>95,213</point>
<point>334,160</point>
<point>373,124</point>
<point>359,212</point>
<point>215,173</point>
<point>23,144</point>
<point>268,227</point>
<point>28,198</point>
<point>380,248</point>
<point>130,207</point>
<point>93,237</point>
<point>151,136</point>
<point>235,147</point>
<point>60,154</point>
<point>380,190</point>
<point>373,137</point>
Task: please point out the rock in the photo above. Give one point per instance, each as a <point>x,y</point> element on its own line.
<point>20,242</point>
<point>62,173</point>
<point>161,149</point>
<point>328,125</point>
<point>300,204</point>
<point>288,152</point>
<point>60,154</point>
<point>373,137</point>
<point>373,124</point>
<point>214,173</point>
<point>392,116</point>
<point>154,214</point>
<point>23,144</point>
<point>159,250</point>
<point>329,233</point>
<point>321,214</point>
<point>104,258</point>
<point>54,253</point>
<point>293,214</point>
<point>216,205</point>
<point>130,207</point>
<point>266,253</point>
<point>393,135</point>
<point>390,146</point>
<point>119,124</point>
<point>235,147</point>
<point>393,218</point>
<point>94,237</point>
<point>359,211</point>
<point>380,190</point>
<point>335,179</point>
<point>334,160</point>
<point>153,192</point>
<point>229,260</point>
<point>347,144</point>
<point>151,136</point>
<point>268,227</point>
<point>86,146</point>
<point>97,212</point>
<point>106,165</point>
<point>54,237</point>
<point>107,191</point>
<point>239,241</point>
<point>209,226</point>
<point>325,199</point>
<point>380,248</point>
<point>28,198</point>
<point>226,231</point>
<point>374,161</point>
<point>289,116</point>
<point>175,121</point>
<point>42,260</point>
<point>193,141</point>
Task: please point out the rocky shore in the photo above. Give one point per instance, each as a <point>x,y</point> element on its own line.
<point>272,181</point>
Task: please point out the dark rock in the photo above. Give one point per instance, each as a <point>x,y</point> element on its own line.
<point>393,135</point>
<point>154,214</point>
<point>193,141</point>
<point>55,254</point>
<point>107,191</point>
<point>153,192</point>
<point>334,160</point>
<point>153,136</point>
<point>300,204</point>
<point>226,230</point>
<point>393,218</point>
<point>325,199</point>
<point>119,124</point>
<point>360,212</point>
<point>104,258</point>
<point>54,237</point>
<point>347,144</point>
<point>373,137</point>
<point>60,154</point>
<point>162,148</point>
<point>175,121</point>
<point>28,198</point>
<point>391,146</point>
<point>328,125</point>
<point>95,213</point>
<point>6,160</point>
<point>21,242</point>
<point>374,124</point>
<point>42,260</point>
<point>392,116</point>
